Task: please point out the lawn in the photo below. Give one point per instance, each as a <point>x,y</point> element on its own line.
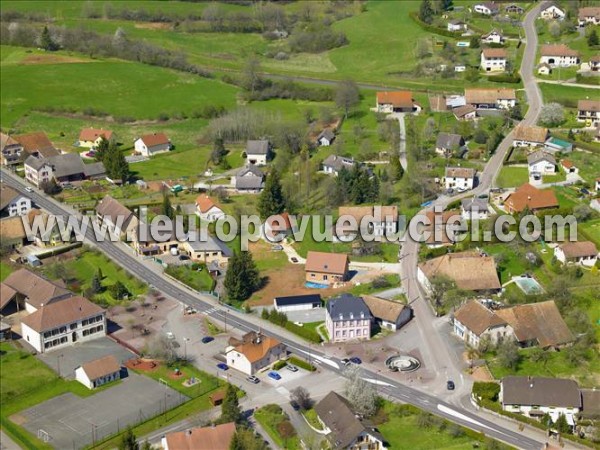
<point>590,230</point>
<point>512,176</point>
<point>198,279</point>
<point>271,417</point>
<point>566,95</point>
<point>391,281</point>
<point>587,163</point>
<point>5,270</point>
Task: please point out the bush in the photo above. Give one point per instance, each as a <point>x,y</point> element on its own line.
<point>301,363</point>
<point>414,15</point>
<point>279,365</point>
<point>505,78</point>
<point>316,40</point>
<point>486,390</point>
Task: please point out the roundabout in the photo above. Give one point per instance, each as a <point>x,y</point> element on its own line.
<point>402,363</point>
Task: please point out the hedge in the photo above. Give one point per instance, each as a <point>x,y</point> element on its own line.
<point>301,363</point>
<point>307,333</point>
<point>415,17</point>
<point>279,365</point>
<point>516,78</point>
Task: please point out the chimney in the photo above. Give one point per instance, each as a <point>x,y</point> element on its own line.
<point>188,432</point>
<point>529,197</point>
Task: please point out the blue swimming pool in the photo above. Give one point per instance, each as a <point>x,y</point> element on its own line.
<point>529,285</point>
<point>313,285</point>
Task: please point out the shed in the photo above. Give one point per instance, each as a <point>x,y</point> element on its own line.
<point>217,398</point>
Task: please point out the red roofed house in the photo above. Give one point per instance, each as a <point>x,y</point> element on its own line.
<point>216,437</point>
<point>91,137</point>
<point>151,144</point>
<point>254,352</point>
<point>530,197</point>
<point>584,253</point>
<point>558,55</point>
<point>277,226</point>
<point>326,268</point>
<point>207,210</point>
<point>569,166</point>
<point>98,372</point>
<point>396,101</point>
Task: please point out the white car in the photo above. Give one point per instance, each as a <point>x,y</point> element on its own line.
<point>29,189</point>
<point>170,335</point>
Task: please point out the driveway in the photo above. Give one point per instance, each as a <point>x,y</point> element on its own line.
<point>402,144</point>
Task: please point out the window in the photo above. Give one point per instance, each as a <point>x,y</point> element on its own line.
<point>84,322</point>
<point>325,277</point>
<point>73,326</point>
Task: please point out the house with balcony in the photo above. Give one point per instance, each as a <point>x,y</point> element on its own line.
<point>10,150</point>
<point>493,59</point>
<point>588,111</point>
<point>348,318</point>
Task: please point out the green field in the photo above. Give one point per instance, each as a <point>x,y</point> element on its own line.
<point>199,280</point>
<point>566,95</point>
<point>512,176</point>
<point>5,270</point>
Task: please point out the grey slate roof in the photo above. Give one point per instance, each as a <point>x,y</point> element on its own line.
<point>257,147</point>
<point>540,155</point>
<point>337,162</point>
<point>35,163</point>
<point>540,391</point>
<point>327,134</point>
<point>449,141</point>
<point>66,165</point>
<point>475,204</point>
<point>347,307</point>
<point>210,244</point>
<point>250,168</point>
<point>94,169</point>
<point>250,177</point>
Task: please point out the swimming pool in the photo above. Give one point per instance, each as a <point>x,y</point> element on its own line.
<point>529,285</point>
<point>313,285</point>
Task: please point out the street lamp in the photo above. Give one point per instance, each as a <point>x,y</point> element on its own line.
<point>185,341</point>
<point>58,363</point>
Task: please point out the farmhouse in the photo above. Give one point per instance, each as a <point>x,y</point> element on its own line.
<point>36,144</point>
<point>493,37</point>
<point>540,163</point>
<point>491,98</point>
<point>448,144</point>
<point>152,144</point>
<point>215,437</point>
<point>258,152</point>
<point>529,136</point>
<point>326,268</point>
<point>529,197</point>
<point>32,291</point>
<point>297,302</point>
<point>493,59</point>
<point>552,11</point>
<point>119,219</point>
<point>388,314</point>
<point>460,178</point>
<point>396,101</point>
<point>536,396</point>
<point>486,8</point>
<point>325,138</point>
<point>588,111</point>
<point>583,253</point>
<point>472,321</point>
<point>333,164</point>
<point>95,373</point>
<point>344,427</point>
<point>10,150</point>
<point>207,210</point>
<point>466,112</point>
<point>91,137</point>
<point>249,179</point>
<point>456,25</point>
<point>64,168</point>
<point>558,55</point>
<point>12,202</point>
<point>469,270</point>
<point>63,322</point>
<point>589,15</point>
<point>348,318</point>
<point>474,207</point>
<point>382,220</point>
<point>254,352</point>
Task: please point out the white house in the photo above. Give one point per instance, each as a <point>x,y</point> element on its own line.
<point>544,69</point>
<point>396,101</point>
<point>100,371</point>
<point>589,15</point>
<point>325,138</point>
<point>486,8</point>
<point>381,220</point>
<point>254,352</point>
<point>347,319</point>
<point>553,11</point>
<point>456,25</point>
<point>207,210</point>
<point>558,55</point>
<point>486,98</point>
<point>493,37</point>
<point>152,144</point>
<point>297,302</point>
<point>388,314</point>
<point>333,164</point>
<point>475,207</point>
<point>10,150</point>
<point>493,59</point>
<point>460,178</point>
<point>536,396</point>
<point>540,163</point>
<point>62,323</point>
<point>12,202</point>
<point>38,171</point>
<point>472,321</point>
<point>583,253</point>
<point>588,111</point>
<point>529,136</point>
<point>258,152</point>
<point>569,166</point>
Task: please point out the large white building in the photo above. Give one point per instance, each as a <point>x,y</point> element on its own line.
<point>461,178</point>
<point>253,352</point>
<point>12,202</point>
<point>493,59</point>
<point>558,55</point>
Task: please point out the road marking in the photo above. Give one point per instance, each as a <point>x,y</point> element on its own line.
<point>379,382</point>
<point>461,416</point>
<point>317,357</point>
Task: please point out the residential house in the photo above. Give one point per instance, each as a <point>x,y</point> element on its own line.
<point>36,144</point>
<point>493,37</point>
<point>205,249</point>
<point>486,8</point>
<point>558,55</point>
<point>258,152</point>
<point>537,396</point>
<point>589,15</point>
<point>345,428</point>
<point>62,323</point>
<point>254,352</point>
<point>583,253</point>
<point>491,98</point>
<point>388,314</point>
<point>569,166</point>
<point>531,198</point>
<point>326,268</point>
<point>379,220</point>
<point>64,168</point>
<point>460,178</point>
<point>297,302</point>
<point>152,144</point>
<point>214,437</point>
<point>448,144</point>
<point>12,202</point>
<point>98,372</point>
<point>10,150</point>
<point>514,8</point>
<point>12,231</point>
<point>475,207</point>
<point>91,137</point>
<point>333,164</point>
<point>493,59</point>
<point>553,11</point>
<point>595,63</point>
<point>249,179</point>
<point>589,111</point>
<point>325,138</point>
<point>456,25</point>
<point>277,227</point>
<point>118,218</point>
<point>473,321</point>
<point>529,136</point>
<point>469,270</point>
<point>544,69</point>
<point>396,101</point>
<point>540,163</point>
<point>207,210</point>
<point>32,291</point>
<point>467,112</point>
<point>347,318</point>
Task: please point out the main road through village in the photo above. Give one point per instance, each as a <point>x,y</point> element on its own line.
<point>434,344</point>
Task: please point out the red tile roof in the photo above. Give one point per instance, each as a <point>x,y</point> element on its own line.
<point>61,312</point>
<point>91,134</point>
<point>204,203</point>
<point>217,437</point>
<point>530,197</point>
<point>398,99</point>
<point>101,367</point>
<point>334,263</point>
<point>155,139</point>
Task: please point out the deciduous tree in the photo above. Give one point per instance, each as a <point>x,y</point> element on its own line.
<point>347,96</point>
<point>230,408</point>
<point>426,12</point>
<point>301,396</point>
<point>360,393</point>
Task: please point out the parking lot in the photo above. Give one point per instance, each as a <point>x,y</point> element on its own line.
<point>68,421</point>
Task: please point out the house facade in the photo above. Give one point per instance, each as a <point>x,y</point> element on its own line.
<point>348,318</point>
<point>472,321</point>
<point>152,144</point>
<point>207,210</point>
<point>589,15</point>
<point>98,372</point>
<point>254,352</point>
<point>553,12</point>
<point>326,268</point>
<point>540,163</point>
<point>10,150</point>
<point>388,314</point>
<point>249,179</point>
<point>474,208</point>
<point>118,218</point>
<point>588,111</point>
<point>456,25</point>
<point>486,8</point>
<point>64,168</point>
<point>493,37</point>
<point>205,249</point>
<point>325,138</point>
<point>460,178</point>
<point>12,202</point>
<point>38,171</point>
<point>379,220</point>
<point>493,59</point>
<point>558,55</point>
<point>333,164</point>
<point>583,253</point>
<point>91,137</point>
<point>491,98</point>
<point>36,144</point>
<point>529,136</point>
<point>258,152</point>
<point>396,101</point>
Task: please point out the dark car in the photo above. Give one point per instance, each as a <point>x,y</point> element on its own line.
<point>345,361</point>
<point>295,405</point>
<point>294,259</point>
<point>223,366</point>
<point>355,360</point>
<point>253,379</point>
<point>450,385</point>
<point>207,339</point>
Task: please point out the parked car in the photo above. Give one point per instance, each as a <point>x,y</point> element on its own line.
<point>252,379</point>
<point>450,385</point>
<point>170,335</point>
<point>295,405</point>
<point>223,366</point>
<point>355,360</point>
<point>294,260</point>
<point>207,339</point>
<point>345,361</point>
<point>277,248</point>
<point>274,375</point>
<point>292,368</point>
<point>29,189</point>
